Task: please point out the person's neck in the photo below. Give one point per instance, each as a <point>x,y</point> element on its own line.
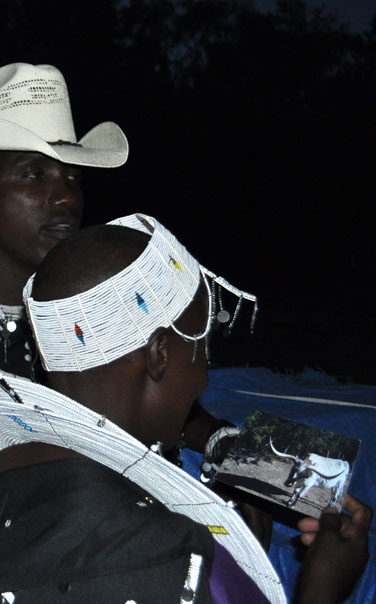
<point>99,390</point>
<point>33,453</point>
<point>12,281</point>
<point>38,452</point>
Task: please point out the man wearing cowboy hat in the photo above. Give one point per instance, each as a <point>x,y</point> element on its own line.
<point>40,195</point>
<point>41,199</point>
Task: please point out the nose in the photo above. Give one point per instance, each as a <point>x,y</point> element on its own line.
<point>62,193</point>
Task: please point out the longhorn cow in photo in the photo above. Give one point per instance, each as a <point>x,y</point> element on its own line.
<point>313,471</point>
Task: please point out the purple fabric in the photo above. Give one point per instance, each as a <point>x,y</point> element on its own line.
<point>229,584</point>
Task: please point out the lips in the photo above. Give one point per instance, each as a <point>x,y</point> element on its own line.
<point>59,227</point>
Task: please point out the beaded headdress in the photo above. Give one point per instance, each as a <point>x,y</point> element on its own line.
<point>119,315</point>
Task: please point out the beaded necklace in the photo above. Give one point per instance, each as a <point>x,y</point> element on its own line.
<point>15,340</point>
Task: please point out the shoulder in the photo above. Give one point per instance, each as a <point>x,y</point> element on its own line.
<point>101,530</point>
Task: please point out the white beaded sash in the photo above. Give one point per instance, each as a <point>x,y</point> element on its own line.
<point>43,415</point>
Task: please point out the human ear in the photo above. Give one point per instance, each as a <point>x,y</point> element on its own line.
<point>156,354</point>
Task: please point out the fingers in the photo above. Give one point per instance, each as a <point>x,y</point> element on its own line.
<point>361,513</point>
<point>329,510</point>
<point>309,528</point>
<point>330,520</point>
<point>308,525</point>
<point>307,538</point>
<point>349,526</point>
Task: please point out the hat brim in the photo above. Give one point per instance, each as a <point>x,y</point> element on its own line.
<point>104,146</point>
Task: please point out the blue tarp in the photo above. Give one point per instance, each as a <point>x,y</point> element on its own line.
<point>315,399</point>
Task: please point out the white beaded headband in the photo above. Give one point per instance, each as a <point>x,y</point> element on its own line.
<point>119,315</point>
<point>31,412</point>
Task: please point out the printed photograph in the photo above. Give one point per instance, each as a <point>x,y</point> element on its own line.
<point>291,464</point>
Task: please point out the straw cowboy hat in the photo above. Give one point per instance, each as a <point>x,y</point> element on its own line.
<point>35,115</point>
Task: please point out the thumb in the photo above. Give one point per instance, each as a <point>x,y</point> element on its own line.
<point>330,520</point>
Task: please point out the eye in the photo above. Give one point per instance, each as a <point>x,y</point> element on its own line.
<point>34,174</point>
<point>75,176</point>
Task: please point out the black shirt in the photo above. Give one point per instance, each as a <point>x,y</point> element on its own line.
<point>75,531</point>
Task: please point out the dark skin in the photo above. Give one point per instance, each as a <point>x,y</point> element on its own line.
<point>150,392</point>
<point>337,554</point>
<point>40,203</point>
<point>148,382</point>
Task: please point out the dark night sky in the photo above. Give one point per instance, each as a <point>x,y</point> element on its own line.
<point>265,173</point>
<point>356,14</point>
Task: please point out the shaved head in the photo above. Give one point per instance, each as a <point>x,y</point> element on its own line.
<point>88,258</point>
<point>150,390</point>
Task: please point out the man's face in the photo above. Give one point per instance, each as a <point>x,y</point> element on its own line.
<point>40,203</point>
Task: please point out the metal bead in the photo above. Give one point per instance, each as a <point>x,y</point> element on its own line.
<point>223,316</point>
<point>204,478</point>
<point>157,448</point>
<point>206,466</point>
<point>11,326</point>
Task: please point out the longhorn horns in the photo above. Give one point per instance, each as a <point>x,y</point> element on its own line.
<point>286,455</point>
<point>296,458</point>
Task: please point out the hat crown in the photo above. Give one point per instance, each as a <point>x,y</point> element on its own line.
<point>36,97</point>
